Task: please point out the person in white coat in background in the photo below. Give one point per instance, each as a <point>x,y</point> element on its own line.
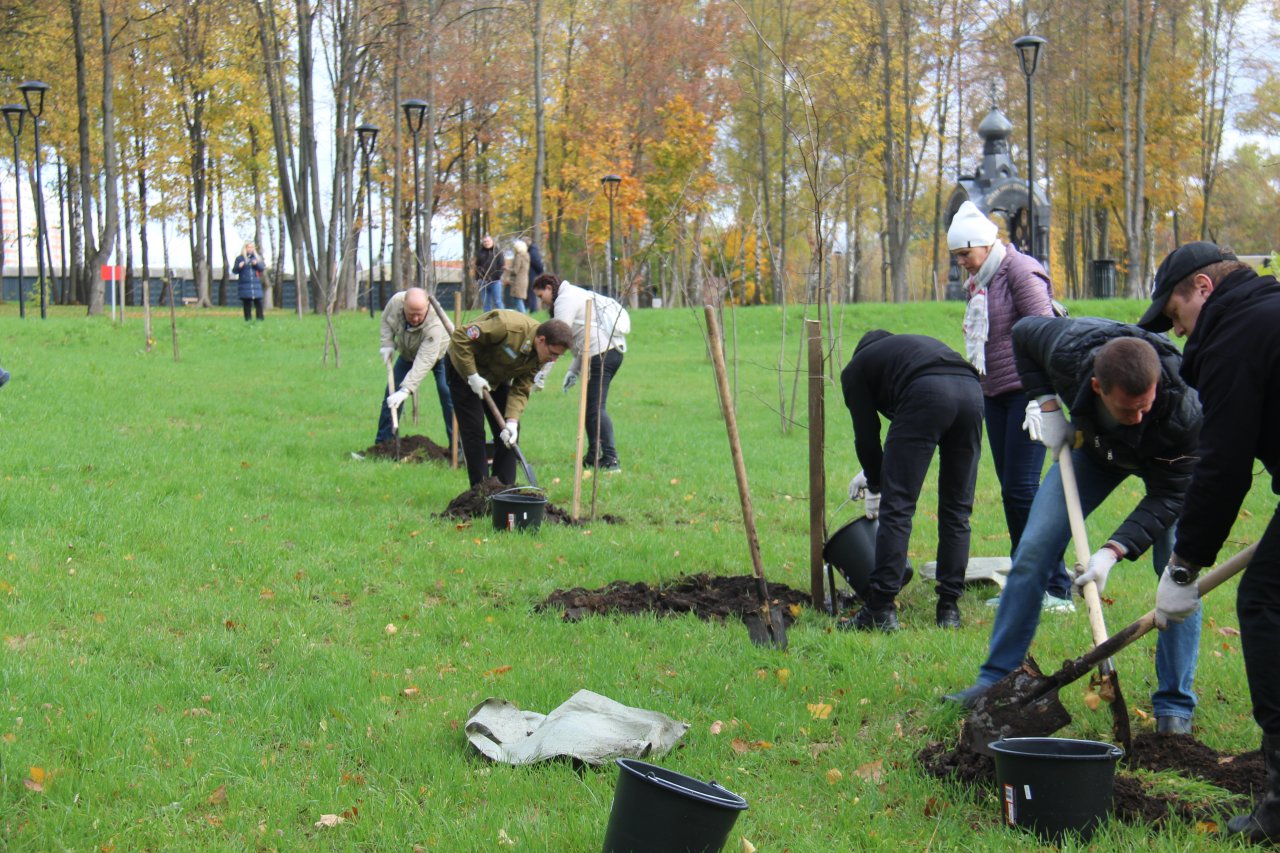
<point>609,328</point>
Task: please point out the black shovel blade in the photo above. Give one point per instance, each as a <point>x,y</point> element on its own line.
<point>766,627</point>
<point>1024,703</point>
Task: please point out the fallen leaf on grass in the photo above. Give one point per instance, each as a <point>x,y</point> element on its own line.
<point>409,692</point>
<point>219,796</point>
<point>267,594</point>
<point>872,771</point>
<point>197,712</point>
<point>330,820</point>
<point>1228,631</point>
<point>784,675</point>
<point>1207,827</point>
<point>504,839</point>
<point>717,727</point>
<point>498,670</point>
<point>834,776</point>
<point>819,710</point>
<point>746,847</point>
<point>391,628</point>
<point>933,808</point>
<point>1092,700</point>
<point>1142,715</point>
<point>740,746</point>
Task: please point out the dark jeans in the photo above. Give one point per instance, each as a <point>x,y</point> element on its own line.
<point>1018,461</point>
<point>400,370</point>
<point>472,414</point>
<point>603,368</point>
<point>1258,608</point>
<point>250,305</point>
<point>943,413</point>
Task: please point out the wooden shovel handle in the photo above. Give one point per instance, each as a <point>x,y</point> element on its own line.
<point>391,389</point>
<point>583,379</point>
<point>1080,538</point>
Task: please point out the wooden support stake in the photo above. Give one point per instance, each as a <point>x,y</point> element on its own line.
<point>817,469</point>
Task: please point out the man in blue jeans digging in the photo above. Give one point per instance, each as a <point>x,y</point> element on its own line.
<point>1131,414</point>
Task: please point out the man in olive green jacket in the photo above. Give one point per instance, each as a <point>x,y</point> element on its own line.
<point>498,352</point>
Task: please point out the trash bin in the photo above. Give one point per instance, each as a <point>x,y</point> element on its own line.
<point>1104,278</point>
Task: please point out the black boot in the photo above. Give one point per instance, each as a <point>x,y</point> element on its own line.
<point>1263,824</point>
<point>947,614</point>
<point>871,619</point>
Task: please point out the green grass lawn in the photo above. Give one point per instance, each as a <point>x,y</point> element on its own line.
<point>198,584</point>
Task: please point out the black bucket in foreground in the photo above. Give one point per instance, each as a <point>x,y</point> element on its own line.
<point>658,809</point>
<point>517,510</point>
<point>1054,786</point>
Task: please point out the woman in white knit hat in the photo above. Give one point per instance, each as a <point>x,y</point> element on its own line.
<point>1004,286</point>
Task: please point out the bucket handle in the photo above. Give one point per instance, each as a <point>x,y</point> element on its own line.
<point>520,490</point>
<point>732,800</point>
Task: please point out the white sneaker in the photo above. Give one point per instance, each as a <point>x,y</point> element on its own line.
<point>1051,604</point>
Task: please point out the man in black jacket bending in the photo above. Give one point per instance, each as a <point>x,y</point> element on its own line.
<point>1131,414</point>
<point>1230,316</point>
<point>932,399</point>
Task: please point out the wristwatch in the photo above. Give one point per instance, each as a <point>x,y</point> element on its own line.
<point>1182,575</point>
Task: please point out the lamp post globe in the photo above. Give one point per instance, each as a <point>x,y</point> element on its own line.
<point>367,135</point>
<point>609,184</point>
<point>1028,48</point>
<point>14,116</point>
<point>415,112</point>
<point>33,92</point>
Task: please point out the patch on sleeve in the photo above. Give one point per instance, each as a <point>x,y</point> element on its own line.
<point>473,332</point>
<point>526,346</point>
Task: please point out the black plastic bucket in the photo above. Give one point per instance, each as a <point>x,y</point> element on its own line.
<point>517,510</point>
<point>852,550</point>
<point>655,809</point>
<point>1054,786</point>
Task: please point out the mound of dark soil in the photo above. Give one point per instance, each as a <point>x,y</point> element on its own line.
<point>413,448</point>
<point>474,503</point>
<point>1131,801</point>
<point>704,596</point>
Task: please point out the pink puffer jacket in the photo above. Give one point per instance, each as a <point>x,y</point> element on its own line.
<point>1020,288</point>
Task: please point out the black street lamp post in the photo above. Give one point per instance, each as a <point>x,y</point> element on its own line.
<point>1029,54</point>
<point>14,114</point>
<point>609,183</point>
<point>368,135</point>
<point>415,113</point>
<point>33,93</point>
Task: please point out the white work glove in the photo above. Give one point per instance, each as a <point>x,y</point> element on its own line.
<point>570,379</point>
<point>508,434</point>
<point>386,353</point>
<point>873,504</point>
<point>396,398</point>
<point>478,384</point>
<point>1174,602</point>
<point>1099,567</point>
<point>540,378</point>
<point>1049,428</point>
<point>858,486</point>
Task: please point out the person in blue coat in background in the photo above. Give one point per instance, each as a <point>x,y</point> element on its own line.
<point>248,268</point>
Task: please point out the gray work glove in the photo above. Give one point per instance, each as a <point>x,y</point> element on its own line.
<point>1099,567</point>
<point>1174,601</point>
<point>858,486</point>
<point>395,399</point>
<point>478,384</point>
<point>386,353</point>
<point>570,379</point>
<point>509,433</point>
<point>873,505</point>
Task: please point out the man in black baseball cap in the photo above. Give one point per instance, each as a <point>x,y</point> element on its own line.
<point>1229,315</point>
<point>1180,263</point>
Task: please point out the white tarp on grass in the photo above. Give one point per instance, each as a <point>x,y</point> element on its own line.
<point>589,727</point>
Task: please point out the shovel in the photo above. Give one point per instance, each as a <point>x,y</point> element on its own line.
<point>766,626</point>
<point>395,415</point>
<point>1108,680</point>
<point>488,400</point>
<point>1025,702</point>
